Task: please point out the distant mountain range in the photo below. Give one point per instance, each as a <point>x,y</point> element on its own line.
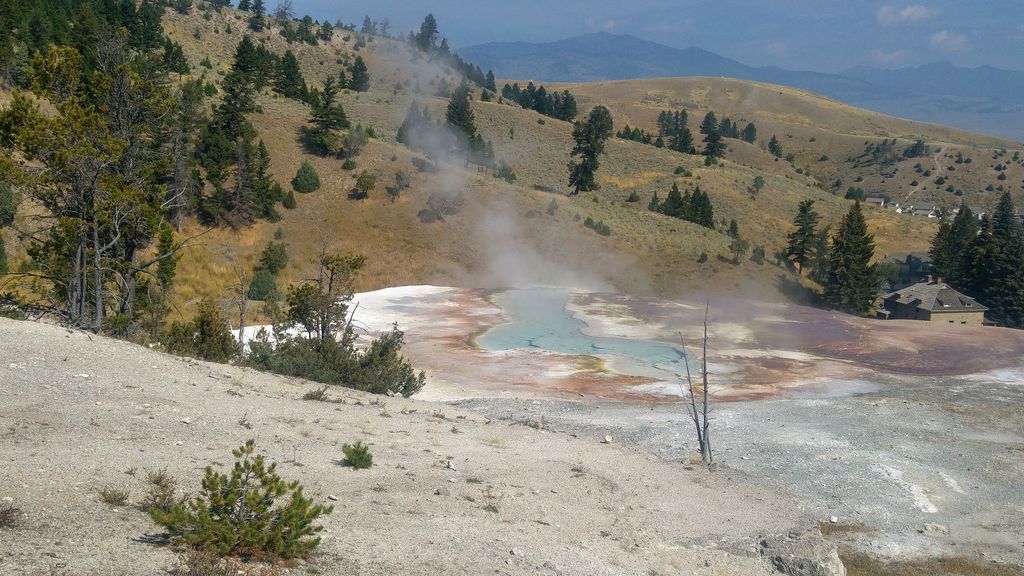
<point>985,99</point>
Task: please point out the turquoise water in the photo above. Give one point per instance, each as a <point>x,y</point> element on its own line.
<point>539,320</point>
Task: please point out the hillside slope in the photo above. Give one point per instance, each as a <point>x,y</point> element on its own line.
<point>983,99</point>
<point>450,491</point>
<point>530,232</point>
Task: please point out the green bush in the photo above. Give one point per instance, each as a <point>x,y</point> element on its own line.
<point>263,285</point>
<point>633,197</point>
<point>598,226</point>
<point>236,515</point>
<point>348,164</point>
<point>289,200</point>
<point>357,455</point>
<point>306,179</point>
<point>206,336</point>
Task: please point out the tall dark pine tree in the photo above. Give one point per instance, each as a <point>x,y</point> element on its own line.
<point>749,133</point>
<point>800,249</point>
<point>1005,295</point>
<point>360,79</point>
<point>713,145</point>
<point>426,39</point>
<point>257,18</point>
<point>327,118</point>
<point>460,112</point>
<point>589,137</point>
<point>851,280</point>
<point>289,82</point>
<point>774,147</point>
<point>951,248</point>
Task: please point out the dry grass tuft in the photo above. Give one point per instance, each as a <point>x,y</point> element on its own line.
<point>316,395</point>
<point>201,563</point>
<point>114,496</point>
<point>861,564</point>
<point>9,515</point>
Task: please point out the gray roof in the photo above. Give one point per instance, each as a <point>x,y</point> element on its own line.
<point>935,297</point>
<point>875,200</point>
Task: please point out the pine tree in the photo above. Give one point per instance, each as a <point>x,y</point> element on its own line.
<point>802,240</point>
<point>489,82</point>
<point>289,82</point>
<point>675,205</point>
<point>244,5</point>
<point>682,141</point>
<point>257,18</point>
<point>306,179</point>
<point>749,133</point>
<point>1005,294</point>
<point>360,75</point>
<point>589,137</point>
<point>426,40</point>
<point>654,205</point>
<point>460,113</point>
<point>774,147</point>
<point>327,117</point>
<point>851,280</point>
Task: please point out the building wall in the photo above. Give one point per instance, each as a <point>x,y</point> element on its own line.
<point>903,312</point>
<point>969,318</point>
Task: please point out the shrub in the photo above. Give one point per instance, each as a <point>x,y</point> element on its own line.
<point>113,496</point>
<point>236,515</point>
<point>9,515</point>
<point>206,336</point>
<point>633,197</point>
<point>348,164</point>
<point>316,395</point>
<point>289,200</point>
<point>597,226</point>
<point>162,495</point>
<point>703,257</point>
<point>306,179</point>
<point>506,173</point>
<point>263,285</point>
<point>357,455</point>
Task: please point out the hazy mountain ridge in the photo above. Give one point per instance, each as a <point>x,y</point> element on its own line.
<point>983,99</point>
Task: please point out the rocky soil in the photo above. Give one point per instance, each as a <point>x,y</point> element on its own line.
<point>452,491</point>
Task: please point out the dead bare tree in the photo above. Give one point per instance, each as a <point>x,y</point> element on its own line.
<point>700,414</point>
<point>240,298</point>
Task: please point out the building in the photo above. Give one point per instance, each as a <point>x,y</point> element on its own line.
<point>875,200</point>
<point>932,301</point>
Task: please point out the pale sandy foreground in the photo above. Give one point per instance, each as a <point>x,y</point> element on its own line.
<point>80,413</point>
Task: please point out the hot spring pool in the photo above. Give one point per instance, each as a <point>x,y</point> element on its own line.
<point>538,320</point>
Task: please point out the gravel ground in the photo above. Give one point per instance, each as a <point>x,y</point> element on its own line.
<point>452,491</point>
<point>922,466</point>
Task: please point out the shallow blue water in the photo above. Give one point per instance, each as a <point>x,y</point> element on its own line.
<point>538,319</point>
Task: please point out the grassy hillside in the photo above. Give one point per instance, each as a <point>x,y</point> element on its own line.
<point>505,234</point>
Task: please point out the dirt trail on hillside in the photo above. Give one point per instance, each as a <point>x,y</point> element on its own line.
<point>450,492</point>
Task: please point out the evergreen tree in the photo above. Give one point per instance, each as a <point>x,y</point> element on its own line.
<point>245,5</point>
<point>682,141</point>
<point>654,205</point>
<point>800,248</point>
<point>489,82</point>
<point>1005,292</point>
<point>749,133</point>
<point>327,118</point>
<point>460,113</point>
<point>289,82</point>
<point>426,39</point>
<point>258,16</point>
<point>851,280</point>
<point>734,229</point>
<point>709,124</point>
<point>950,250</point>
<point>774,147</point>
<point>589,137</point>
<point>306,179</point>
<point>675,205</point>
<point>360,75</point>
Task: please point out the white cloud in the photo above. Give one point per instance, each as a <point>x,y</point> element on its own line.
<point>883,58</point>
<point>776,48</point>
<point>601,25</point>
<point>948,41</point>
<point>912,14</point>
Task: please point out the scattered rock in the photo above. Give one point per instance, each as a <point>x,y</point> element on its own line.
<point>607,440</point>
<point>442,492</point>
<point>935,528</point>
<point>833,519</point>
<point>449,466</point>
<point>515,552</point>
<point>802,553</point>
<point>186,420</point>
<point>332,497</point>
<point>179,443</point>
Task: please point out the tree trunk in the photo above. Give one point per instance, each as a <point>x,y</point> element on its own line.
<point>97,324</point>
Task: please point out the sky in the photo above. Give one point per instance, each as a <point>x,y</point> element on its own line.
<point>821,35</point>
